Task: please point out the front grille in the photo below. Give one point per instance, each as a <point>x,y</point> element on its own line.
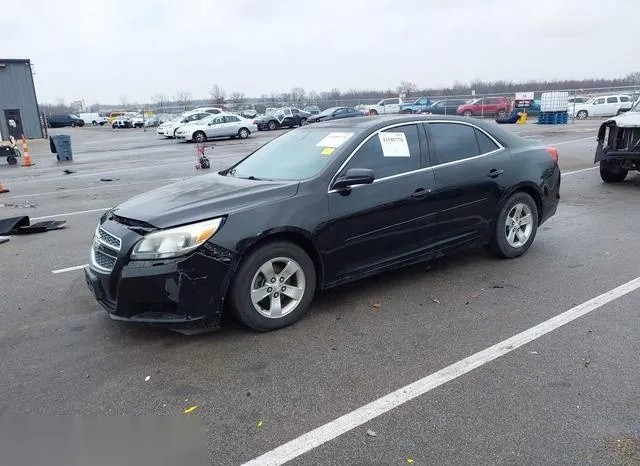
<point>108,239</point>
<point>102,260</point>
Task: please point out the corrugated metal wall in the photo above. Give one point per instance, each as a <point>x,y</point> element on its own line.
<point>17,92</point>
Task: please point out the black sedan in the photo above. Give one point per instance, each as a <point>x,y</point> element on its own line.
<point>60,121</point>
<point>334,113</point>
<point>317,207</point>
<point>282,118</point>
<point>445,107</point>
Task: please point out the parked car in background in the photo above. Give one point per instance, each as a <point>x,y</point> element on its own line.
<point>123,121</point>
<point>606,105</point>
<point>618,146</point>
<point>315,208</point>
<point>575,100</point>
<point>169,128</point>
<point>420,105</point>
<point>485,106</point>
<point>93,119</point>
<point>249,113</point>
<point>217,126</point>
<point>312,109</point>
<point>61,121</point>
<point>287,117</point>
<point>114,115</point>
<point>445,107</point>
<point>334,113</point>
<point>384,106</point>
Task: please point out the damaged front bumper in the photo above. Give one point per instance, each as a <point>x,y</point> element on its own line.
<point>618,142</point>
<point>183,294</point>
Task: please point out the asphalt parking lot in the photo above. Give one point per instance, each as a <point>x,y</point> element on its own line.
<point>559,394</point>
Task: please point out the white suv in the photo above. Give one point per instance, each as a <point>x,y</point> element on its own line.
<point>606,105</point>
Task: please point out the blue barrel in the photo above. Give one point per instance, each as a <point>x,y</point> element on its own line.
<point>61,145</point>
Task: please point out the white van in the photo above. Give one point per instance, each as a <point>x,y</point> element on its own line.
<point>93,119</point>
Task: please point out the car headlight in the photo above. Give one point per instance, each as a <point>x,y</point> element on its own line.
<point>175,242</point>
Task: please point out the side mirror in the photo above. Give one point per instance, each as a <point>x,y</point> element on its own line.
<point>353,177</point>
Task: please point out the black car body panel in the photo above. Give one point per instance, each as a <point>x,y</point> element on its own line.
<point>445,107</point>
<point>61,121</point>
<point>350,233</point>
<point>272,121</point>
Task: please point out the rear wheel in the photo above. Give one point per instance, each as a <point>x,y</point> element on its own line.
<point>11,160</point>
<point>502,113</point>
<point>303,121</point>
<point>272,125</point>
<point>612,172</point>
<point>199,136</point>
<point>243,133</point>
<point>373,112</point>
<point>273,286</point>
<point>515,227</point>
<point>468,113</point>
<point>582,114</point>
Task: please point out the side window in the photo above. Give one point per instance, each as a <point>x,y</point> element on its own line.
<point>388,158</point>
<point>624,98</point>
<point>599,101</point>
<point>341,111</point>
<point>484,143</point>
<point>295,110</point>
<point>350,110</point>
<point>453,141</point>
<point>612,100</point>
<point>231,119</point>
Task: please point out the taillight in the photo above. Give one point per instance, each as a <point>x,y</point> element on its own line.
<point>553,152</point>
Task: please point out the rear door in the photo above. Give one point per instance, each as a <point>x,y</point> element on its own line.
<point>472,172</point>
<point>391,219</point>
<point>231,125</point>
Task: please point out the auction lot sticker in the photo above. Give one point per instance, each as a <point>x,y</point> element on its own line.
<point>334,140</point>
<point>394,144</point>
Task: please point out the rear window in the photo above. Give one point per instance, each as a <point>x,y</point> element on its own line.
<point>624,99</point>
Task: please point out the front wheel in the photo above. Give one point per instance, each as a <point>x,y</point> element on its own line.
<point>515,227</point>
<point>582,114</point>
<point>502,113</point>
<point>612,173</point>
<point>468,113</point>
<point>273,287</point>
<point>243,133</point>
<point>272,125</point>
<point>199,136</point>
<point>11,160</point>
<point>303,121</point>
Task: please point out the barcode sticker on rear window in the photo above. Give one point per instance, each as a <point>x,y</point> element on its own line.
<point>334,140</point>
<point>394,144</point>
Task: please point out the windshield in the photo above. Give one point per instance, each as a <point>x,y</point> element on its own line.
<point>328,111</point>
<point>296,155</point>
<point>636,107</point>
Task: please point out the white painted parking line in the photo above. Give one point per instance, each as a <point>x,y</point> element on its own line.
<point>103,209</point>
<point>350,421</point>
<point>592,138</point>
<point>70,269</point>
<point>579,171</point>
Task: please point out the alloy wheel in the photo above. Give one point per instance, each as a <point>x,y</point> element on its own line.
<point>277,287</point>
<point>519,225</point>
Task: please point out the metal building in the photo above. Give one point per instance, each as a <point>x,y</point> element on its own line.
<point>19,111</point>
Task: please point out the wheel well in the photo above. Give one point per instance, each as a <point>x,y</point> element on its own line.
<point>536,197</point>
<point>299,240</point>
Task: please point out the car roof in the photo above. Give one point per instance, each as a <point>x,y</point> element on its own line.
<point>369,124</point>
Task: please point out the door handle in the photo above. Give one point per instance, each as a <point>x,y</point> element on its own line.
<point>420,193</point>
<point>494,173</point>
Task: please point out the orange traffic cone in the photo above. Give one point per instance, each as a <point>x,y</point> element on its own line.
<point>2,189</point>
<point>25,149</point>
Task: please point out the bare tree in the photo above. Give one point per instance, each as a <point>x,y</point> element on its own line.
<point>124,102</point>
<point>160,100</point>
<point>218,94</point>
<point>297,95</point>
<point>183,98</point>
<point>237,97</point>
<point>407,87</point>
<point>313,97</point>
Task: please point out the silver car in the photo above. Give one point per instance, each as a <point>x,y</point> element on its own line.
<point>217,126</point>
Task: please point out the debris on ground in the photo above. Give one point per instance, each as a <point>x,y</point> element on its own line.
<point>377,305</point>
<point>69,172</point>
<point>409,460</point>
<point>4,239</point>
<point>435,300</point>
<point>106,179</point>
<point>497,286</point>
<point>191,409</point>
<point>371,433</point>
<point>533,352</point>
<point>24,205</point>
<point>22,225</point>
<point>259,423</point>
<point>147,378</point>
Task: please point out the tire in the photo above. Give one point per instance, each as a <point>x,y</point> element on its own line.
<point>506,242</point>
<point>373,112</point>
<point>73,125</point>
<point>11,160</point>
<point>249,277</point>
<point>303,121</point>
<point>113,126</point>
<point>612,173</point>
<point>243,133</point>
<point>582,114</point>
<point>199,136</point>
<point>501,113</point>
<point>272,125</point>
<point>467,113</point>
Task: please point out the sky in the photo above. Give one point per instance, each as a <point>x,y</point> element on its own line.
<point>103,50</point>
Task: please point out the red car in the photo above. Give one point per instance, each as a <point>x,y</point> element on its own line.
<point>489,106</point>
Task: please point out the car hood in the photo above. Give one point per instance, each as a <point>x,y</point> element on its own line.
<point>626,120</point>
<point>201,198</point>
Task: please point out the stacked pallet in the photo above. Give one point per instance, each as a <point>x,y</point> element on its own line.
<point>553,118</point>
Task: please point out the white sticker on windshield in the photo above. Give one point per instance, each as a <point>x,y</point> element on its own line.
<point>334,140</point>
<point>394,144</point>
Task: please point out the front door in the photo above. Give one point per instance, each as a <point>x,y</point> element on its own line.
<point>472,174</point>
<point>14,122</point>
<point>390,220</point>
